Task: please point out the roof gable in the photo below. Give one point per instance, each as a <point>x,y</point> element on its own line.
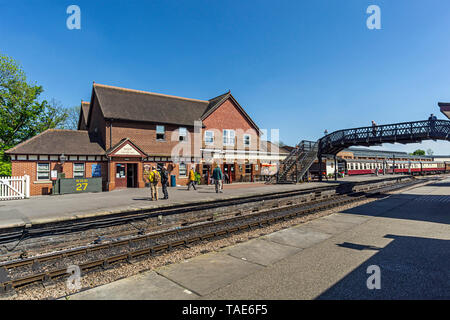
<point>126,147</point>
<point>215,104</point>
<point>84,112</point>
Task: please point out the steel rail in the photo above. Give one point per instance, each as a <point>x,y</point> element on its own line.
<point>151,250</point>
<point>62,227</point>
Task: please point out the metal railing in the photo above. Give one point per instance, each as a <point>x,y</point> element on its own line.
<point>405,132</point>
<point>292,166</point>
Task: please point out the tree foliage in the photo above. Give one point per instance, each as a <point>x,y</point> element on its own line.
<point>418,152</point>
<point>22,114</point>
<point>5,168</point>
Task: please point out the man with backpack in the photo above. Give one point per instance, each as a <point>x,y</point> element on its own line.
<point>154,178</point>
<point>164,181</point>
<point>191,179</point>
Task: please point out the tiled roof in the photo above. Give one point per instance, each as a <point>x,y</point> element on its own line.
<point>134,105</point>
<point>56,142</point>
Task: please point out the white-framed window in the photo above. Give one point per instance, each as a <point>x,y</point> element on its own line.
<point>78,170</point>
<point>160,133</point>
<point>228,137</point>
<point>43,171</point>
<point>209,137</point>
<point>247,140</point>
<point>182,134</point>
<point>183,170</point>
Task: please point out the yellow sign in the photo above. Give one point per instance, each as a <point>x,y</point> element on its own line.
<point>81,184</point>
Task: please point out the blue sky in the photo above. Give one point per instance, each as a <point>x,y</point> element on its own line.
<point>300,66</point>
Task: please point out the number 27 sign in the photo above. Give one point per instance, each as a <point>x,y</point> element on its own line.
<point>81,185</point>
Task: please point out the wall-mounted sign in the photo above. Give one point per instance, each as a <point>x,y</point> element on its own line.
<point>128,150</point>
<point>96,170</point>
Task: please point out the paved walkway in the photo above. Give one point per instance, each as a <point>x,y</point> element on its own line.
<point>41,209</point>
<point>406,235</point>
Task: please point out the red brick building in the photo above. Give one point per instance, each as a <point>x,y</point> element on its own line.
<point>120,130</point>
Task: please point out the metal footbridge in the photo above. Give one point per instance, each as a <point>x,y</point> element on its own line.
<point>297,164</point>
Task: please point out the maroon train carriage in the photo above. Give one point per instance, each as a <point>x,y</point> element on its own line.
<point>358,167</point>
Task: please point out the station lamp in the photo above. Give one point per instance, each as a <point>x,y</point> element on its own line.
<point>62,158</point>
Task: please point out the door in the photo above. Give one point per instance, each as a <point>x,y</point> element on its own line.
<point>229,170</point>
<point>131,175</point>
<point>121,175</point>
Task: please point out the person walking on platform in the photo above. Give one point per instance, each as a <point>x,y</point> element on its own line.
<point>432,119</point>
<point>164,181</point>
<point>154,178</point>
<point>146,175</point>
<point>191,179</point>
<point>218,176</point>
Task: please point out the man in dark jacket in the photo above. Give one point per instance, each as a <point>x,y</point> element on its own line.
<point>164,181</point>
<point>217,176</point>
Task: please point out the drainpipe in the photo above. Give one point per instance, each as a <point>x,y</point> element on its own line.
<point>110,134</point>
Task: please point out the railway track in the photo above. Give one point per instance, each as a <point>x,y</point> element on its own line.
<point>18,273</point>
<point>9,235</point>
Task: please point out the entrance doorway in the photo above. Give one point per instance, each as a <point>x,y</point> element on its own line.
<point>126,175</point>
<point>228,169</point>
<point>131,175</point>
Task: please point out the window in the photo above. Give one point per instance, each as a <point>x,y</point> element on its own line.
<point>182,134</point>
<point>78,170</point>
<point>120,171</point>
<point>209,137</point>
<point>228,137</point>
<point>160,133</point>
<point>43,171</point>
<point>248,168</point>
<point>246,140</point>
<point>182,171</point>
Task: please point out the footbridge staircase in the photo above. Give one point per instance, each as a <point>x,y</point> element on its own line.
<point>297,163</point>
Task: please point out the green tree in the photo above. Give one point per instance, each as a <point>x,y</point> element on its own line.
<point>22,114</point>
<point>418,152</point>
<point>5,168</point>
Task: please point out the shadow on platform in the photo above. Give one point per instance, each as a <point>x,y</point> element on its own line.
<point>430,208</point>
<point>410,268</point>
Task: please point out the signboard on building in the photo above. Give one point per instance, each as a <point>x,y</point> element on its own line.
<point>268,169</point>
<point>96,170</point>
<point>54,174</point>
<point>79,185</point>
<point>127,150</point>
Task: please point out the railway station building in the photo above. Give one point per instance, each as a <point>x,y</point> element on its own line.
<point>120,131</point>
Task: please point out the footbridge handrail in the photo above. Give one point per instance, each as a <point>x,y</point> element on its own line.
<point>404,132</point>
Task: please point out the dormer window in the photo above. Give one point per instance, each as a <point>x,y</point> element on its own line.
<point>160,133</point>
<point>182,134</point>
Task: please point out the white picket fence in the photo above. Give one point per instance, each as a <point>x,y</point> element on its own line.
<point>14,187</point>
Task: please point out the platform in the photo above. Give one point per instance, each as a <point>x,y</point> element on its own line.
<point>407,235</point>
<point>45,209</point>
